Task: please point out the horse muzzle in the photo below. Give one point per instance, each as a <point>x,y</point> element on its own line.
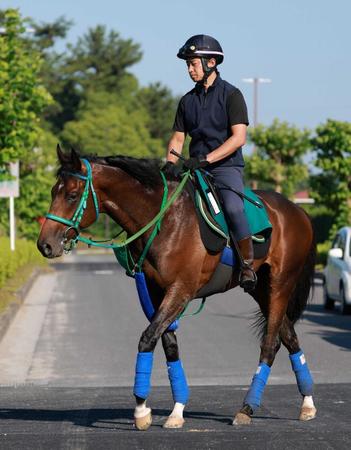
<point>48,250</point>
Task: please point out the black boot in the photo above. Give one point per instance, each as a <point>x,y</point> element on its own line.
<point>247,277</point>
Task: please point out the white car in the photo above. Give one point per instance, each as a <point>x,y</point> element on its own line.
<point>337,272</point>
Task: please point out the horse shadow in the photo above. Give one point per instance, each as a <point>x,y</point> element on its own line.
<point>111,418</point>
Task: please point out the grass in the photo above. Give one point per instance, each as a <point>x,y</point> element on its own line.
<point>9,292</point>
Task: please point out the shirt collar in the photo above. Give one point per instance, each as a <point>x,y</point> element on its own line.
<point>200,87</point>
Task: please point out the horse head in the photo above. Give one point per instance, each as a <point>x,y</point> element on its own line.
<point>72,205</point>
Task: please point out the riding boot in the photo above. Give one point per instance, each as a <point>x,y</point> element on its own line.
<point>247,277</point>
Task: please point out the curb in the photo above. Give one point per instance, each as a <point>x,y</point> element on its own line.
<point>10,312</point>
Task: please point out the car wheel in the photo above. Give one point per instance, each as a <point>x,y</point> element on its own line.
<point>328,303</point>
<point>345,308</point>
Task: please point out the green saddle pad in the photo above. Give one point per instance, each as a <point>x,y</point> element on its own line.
<point>258,220</point>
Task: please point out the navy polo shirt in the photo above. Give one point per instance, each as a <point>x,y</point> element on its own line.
<point>208,116</point>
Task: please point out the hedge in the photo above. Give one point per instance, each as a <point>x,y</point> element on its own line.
<point>10,261</point>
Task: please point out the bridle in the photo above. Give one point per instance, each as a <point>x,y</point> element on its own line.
<point>74,222</point>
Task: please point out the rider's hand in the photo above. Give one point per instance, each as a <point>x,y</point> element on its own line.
<point>171,170</point>
<point>197,162</point>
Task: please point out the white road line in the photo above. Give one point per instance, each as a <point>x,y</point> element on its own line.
<point>18,345</point>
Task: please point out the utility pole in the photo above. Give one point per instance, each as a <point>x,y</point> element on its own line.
<point>255,81</point>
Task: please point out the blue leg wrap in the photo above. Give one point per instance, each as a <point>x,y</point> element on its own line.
<point>258,383</point>
<point>143,371</point>
<point>176,375</point>
<point>303,376</point>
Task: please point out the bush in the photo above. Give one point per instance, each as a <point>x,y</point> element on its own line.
<point>322,252</point>
<point>10,261</point>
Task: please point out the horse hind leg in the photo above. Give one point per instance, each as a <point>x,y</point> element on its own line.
<point>273,304</point>
<point>252,399</point>
<point>299,365</point>
<point>177,379</point>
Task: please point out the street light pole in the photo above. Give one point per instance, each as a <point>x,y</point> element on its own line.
<point>255,81</point>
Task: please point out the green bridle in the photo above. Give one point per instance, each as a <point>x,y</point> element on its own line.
<point>74,223</point>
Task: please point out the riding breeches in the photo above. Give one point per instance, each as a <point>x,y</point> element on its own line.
<point>232,203</point>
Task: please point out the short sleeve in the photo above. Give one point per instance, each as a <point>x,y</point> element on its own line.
<point>179,123</point>
<point>236,108</point>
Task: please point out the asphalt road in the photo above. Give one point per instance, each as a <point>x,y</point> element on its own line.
<point>67,367</point>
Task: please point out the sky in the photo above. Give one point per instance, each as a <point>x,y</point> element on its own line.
<point>303,46</point>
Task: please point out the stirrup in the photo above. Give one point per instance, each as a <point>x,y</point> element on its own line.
<point>250,283</point>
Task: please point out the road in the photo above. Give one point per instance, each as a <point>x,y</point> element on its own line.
<point>67,367</point>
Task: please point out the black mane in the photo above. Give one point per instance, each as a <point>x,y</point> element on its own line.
<point>145,170</point>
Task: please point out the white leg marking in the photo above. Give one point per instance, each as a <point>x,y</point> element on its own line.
<point>142,417</point>
<point>141,411</point>
<point>307,402</point>
<point>308,410</point>
<point>175,420</point>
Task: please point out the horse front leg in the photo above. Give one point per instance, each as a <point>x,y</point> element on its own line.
<point>299,365</point>
<point>176,374</point>
<point>171,306</point>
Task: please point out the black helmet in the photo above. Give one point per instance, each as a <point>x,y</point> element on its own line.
<point>201,46</point>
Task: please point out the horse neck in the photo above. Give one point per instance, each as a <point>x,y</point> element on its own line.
<point>124,199</point>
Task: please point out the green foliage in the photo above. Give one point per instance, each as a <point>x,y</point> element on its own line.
<point>22,97</point>
<point>332,186</point>
<point>161,106</point>
<point>278,156</point>
<point>322,253</point>
<point>11,261</point>
<point>322,220</point>
<point>46,34</point>
<point>37,178</point>
<point>110,129</point>
<point>101,59</point>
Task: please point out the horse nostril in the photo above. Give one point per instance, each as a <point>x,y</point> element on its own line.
<point>47,250</point>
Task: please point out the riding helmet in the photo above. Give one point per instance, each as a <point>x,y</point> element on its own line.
<point>201,46</point>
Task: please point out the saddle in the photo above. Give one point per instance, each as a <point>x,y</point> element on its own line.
<point>214,229</point>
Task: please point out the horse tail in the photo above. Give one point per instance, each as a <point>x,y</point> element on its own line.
<point>301,293</point>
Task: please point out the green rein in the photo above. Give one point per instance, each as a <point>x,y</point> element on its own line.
<point>74,223</point>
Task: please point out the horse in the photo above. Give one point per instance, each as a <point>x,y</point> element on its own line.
<point>177,266</point>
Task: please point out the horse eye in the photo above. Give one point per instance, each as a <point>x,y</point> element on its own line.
<point>72,196</point>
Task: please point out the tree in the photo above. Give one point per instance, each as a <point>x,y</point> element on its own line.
<point>102,59</point>
<point>105,127</point>
<point>332,186</point>
<point>278,156</point>
<point>160,105</point>
<point>22,96</point>
<point>37,179</point>
<point>99,61</point>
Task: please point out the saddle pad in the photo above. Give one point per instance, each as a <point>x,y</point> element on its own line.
<point>206,194</point>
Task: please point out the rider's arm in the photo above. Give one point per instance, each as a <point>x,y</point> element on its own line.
<point>235,141</point>
<point>238,121</point>
<point>176,143</point>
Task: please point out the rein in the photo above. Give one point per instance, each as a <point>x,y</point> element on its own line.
<point>74,222</point>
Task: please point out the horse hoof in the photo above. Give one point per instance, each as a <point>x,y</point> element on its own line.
<point>174,422</point>
<point>143,423</point>
<point>307,413</point>
<point>241,419</point>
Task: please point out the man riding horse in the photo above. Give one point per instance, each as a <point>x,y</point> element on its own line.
<point>214,114</point>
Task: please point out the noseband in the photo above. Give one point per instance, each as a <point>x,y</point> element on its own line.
<point>74,222</point>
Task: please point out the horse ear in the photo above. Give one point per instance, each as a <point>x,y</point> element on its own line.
<point>76,162</point>
<point>62,157</point>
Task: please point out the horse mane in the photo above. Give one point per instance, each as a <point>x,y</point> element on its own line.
<point>145,170</point>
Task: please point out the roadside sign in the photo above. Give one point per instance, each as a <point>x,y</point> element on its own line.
<point>10,187</point>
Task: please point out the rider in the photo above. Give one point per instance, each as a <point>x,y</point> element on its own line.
<point>214,114</point>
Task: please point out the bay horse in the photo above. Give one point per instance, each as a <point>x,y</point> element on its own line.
<point>177,266</point>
